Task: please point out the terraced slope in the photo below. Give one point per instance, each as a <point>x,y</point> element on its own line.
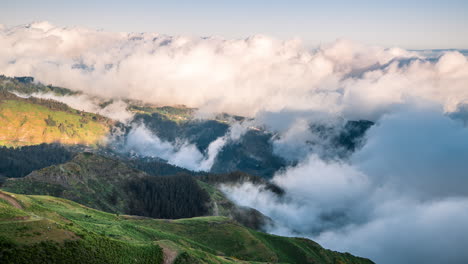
<point>54,230</point>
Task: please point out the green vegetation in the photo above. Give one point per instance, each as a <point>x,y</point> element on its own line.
<point>26,85</point>
<point>52,230</point>
<point>20,161</point>
<point>111,185</point>
<point>175,114</point>
<point>34,121</point>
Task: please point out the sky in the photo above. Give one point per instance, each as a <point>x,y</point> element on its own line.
<point>407,24</point>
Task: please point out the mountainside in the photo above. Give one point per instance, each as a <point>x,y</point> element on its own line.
<point>20,161</point>
<point>82,160</point>
<point>113,186</point>
<point>32,121</point>
<point>39,229</point>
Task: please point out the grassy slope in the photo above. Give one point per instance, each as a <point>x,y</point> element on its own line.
<point>40,234</point>
<point>24,123</point>
<point>49,227</point>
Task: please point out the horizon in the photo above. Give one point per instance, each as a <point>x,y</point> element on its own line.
<point>418,25</point>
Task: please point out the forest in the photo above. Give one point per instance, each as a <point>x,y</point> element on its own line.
<point>169,197</point>
<point>19,162</point>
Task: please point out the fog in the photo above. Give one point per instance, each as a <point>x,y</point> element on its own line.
<point>145,143</point>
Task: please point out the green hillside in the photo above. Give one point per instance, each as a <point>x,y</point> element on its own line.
<point>44,229</point>
<point>112,186</point>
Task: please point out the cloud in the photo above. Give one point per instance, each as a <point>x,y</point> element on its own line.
<point>401,198</point>
<point>141,141</point>
<point>318,196</point>
<point>242,76</point>
<point>420,151</point>
<point>116,110</point>
<point>408,232</point>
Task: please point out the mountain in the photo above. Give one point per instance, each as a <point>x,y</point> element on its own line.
<point>107,204</point>
<point>45,229</point>
<point>32,121</point>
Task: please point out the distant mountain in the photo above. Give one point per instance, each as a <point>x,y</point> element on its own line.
<point>45,229</point>
<point>27,85</point>
<point>33,121</point>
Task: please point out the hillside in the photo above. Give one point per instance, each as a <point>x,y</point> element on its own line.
<point>32,121</point>
<point>39,229</point>
<point>113,186</point>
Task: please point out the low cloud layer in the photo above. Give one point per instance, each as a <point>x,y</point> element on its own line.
<point>241,76</point>
<point>141,141</point>
<point>115,110</point>
<point>399,199</point>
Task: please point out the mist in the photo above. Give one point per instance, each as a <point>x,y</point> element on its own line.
<point>145,143</point>
<point>401,198</point>
<point>115,110</point>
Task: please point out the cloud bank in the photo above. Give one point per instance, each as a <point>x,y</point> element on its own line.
<point>242,76</point>
<point>401,198</point>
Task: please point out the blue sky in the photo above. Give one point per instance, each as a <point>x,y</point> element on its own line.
<point>408,24</point>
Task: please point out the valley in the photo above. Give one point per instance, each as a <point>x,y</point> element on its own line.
<point>72,186</point>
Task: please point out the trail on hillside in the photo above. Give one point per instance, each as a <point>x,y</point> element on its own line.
<point>10,200</point>
<point>169,254</point>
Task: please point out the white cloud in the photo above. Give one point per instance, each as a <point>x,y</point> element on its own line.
<point>143,142</point>
<point>242,76</point>
<point>399,199</point>
<point>116,110</point>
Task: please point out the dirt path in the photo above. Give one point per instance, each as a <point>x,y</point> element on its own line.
<point>169,255</point>
<point>10,200</point>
